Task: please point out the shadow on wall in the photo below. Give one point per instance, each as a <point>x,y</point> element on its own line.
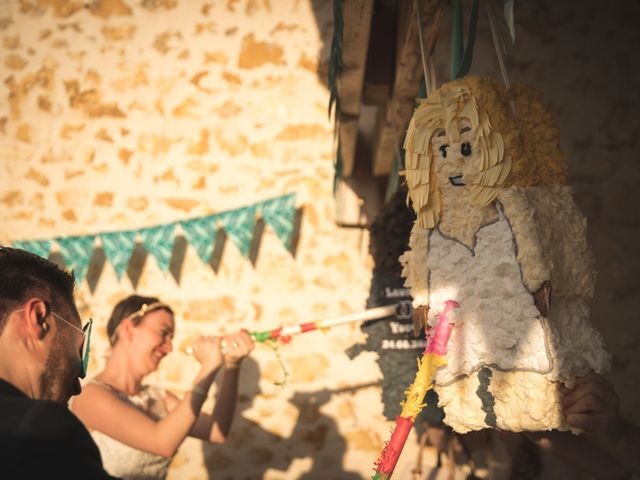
<point>251,450</point>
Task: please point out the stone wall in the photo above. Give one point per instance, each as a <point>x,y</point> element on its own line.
<point>122,114</point>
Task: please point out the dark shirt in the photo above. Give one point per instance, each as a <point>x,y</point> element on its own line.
<point>42,439</point>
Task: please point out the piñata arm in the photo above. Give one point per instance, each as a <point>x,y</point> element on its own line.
<point>529,250</point>
<point>415,272</point>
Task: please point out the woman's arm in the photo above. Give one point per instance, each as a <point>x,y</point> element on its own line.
<point>215,426</point>
<point>101,409</point>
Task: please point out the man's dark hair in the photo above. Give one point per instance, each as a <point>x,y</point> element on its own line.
<point>24,275</point>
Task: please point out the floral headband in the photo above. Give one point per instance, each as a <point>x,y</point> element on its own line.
<point>144,310</point>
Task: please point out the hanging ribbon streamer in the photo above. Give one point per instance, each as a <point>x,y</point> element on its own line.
<point>335,67</point>
<point>510,18</point>
<point>461,57</point>
<point>433,358</point>
<point>425,70</point>
<point>498,48</point>
<point>335,59</point>
<point>337,177</point>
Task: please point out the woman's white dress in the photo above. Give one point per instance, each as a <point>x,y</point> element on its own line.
<point>126,462</point>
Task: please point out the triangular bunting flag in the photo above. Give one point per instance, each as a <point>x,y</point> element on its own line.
<point>159,243</point>
<point>77,252</point>
<point>37,247</point>
<point>239,226</point>
<point>201,235</point>
<point>279,214</point>
<point>205,234</point>
<point>118,247</point>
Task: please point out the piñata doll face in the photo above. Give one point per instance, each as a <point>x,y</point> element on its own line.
<point>455,157</point>
<point>452,149</point>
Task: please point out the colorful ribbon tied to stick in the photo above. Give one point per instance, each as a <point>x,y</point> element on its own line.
<point>433,357</point>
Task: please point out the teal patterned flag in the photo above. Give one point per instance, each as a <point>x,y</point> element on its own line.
<point>239,225</point>
<point>201,235</point>
<point>77,252</point>
<point>279,213</point>
<point>118,247</point>
<point>37,247</point>
<point>159,243</point>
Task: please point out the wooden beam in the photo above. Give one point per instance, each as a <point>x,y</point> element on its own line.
<point>348,131</point>
<point>394,117</point>
<point>356,16</point>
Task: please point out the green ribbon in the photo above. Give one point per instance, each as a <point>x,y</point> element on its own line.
<point>338,169</point>
<point>335,58</point>
<point>461,58</point>
<point>261,337</point>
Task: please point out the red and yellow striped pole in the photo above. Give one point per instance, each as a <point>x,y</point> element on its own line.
<point>434,357</point>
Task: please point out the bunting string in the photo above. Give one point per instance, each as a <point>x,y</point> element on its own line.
<point>158,241</point>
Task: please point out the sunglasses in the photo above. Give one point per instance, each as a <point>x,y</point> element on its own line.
<point>86,342</point>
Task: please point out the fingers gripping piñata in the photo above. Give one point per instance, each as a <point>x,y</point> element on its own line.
<point>498,233</point>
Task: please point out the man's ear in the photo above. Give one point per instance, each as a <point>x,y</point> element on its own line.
<point>35,318</point>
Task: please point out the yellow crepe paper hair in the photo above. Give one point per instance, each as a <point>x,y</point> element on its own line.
<point>515,150</point>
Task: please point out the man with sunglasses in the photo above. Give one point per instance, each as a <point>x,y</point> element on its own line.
<point>44,352</point>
